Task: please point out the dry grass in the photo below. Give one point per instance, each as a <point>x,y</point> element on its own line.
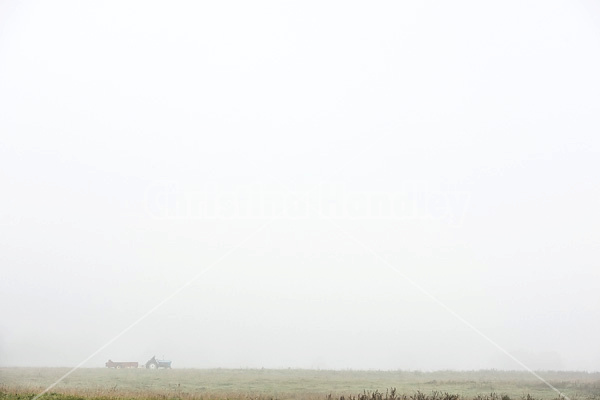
<point>195,384</point>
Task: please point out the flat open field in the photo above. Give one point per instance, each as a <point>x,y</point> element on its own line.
<point>288,383</point>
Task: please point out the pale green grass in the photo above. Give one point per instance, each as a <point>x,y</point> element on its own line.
<point>292,383</point>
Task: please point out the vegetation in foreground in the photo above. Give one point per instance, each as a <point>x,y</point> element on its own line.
<point>218,384</point>
<point>387,395</point>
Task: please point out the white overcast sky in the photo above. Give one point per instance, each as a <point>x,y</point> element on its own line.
<point>451,143</point>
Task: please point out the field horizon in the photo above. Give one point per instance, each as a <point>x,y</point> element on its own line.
<point>349,369</point>
<point>221,383</point>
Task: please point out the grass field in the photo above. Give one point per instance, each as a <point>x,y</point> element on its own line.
<point>21,383</point>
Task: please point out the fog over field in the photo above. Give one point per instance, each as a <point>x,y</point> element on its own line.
<point>334,185</point>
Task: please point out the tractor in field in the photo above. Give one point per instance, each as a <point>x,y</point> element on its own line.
<point>153,363</point>
<point>121,364</point>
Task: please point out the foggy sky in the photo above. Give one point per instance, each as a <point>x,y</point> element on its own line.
<point>457,142</point>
